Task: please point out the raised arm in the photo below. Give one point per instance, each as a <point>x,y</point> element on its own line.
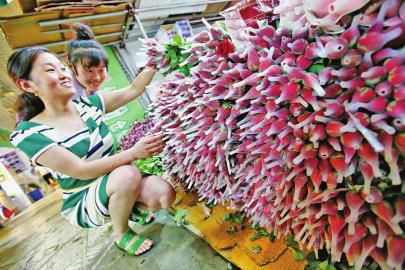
<point>69,164</point>
<point>115,99</point>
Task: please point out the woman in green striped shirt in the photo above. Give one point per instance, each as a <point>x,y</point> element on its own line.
<point>71,138</point>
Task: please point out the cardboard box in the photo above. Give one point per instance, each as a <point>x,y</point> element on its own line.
<point>17,7</point>
<point>25,30</point>
<point>214,8</point>
<point>15,28</point>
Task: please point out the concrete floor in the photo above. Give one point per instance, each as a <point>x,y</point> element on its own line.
<point>40,238</point>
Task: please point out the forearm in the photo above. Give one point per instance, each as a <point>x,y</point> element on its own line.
<point>92,169</point>
<point>115,99</point>
<point>138,85</point>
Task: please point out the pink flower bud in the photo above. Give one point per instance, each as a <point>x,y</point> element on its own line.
<point>359,233</point>
<point>336,129</point>
<point>393,63</point>
<point>337,161</point>
<point>396,254</point>
<point>336,48</point>
<point>368,245</point>
<point>325,151</point>
<point>351,59</point>
<point>396,77</point>
<point>384,211</point>
<point>298,46</point>
<point>374,74</point>
<point>352,34</point>
<point>307,151</point>
<point>389,53</point>
<point>334,110</point>
<point>309,97</point>
<point>303,62</point>
<point>317,133</point>
<point>399,92</point>
<point>290,92</point>
<point>374,195</point>
<point>377,105</point>
<point>311,80</point>
<point>379,257</point>
<point>344,74</point>
<point>253,60</point>
<point>353,84</point>
<point>383,89</point>
<point>334,142</point>
<point>383,232</point>
<point>396,108</point>
<point>336,224</point>
<point>374,41</point>
<point>351,139</point>
<point>399,141</point>
<point>296,109</point>
<point>333,91</point>
<point>315,50</point>
<point>354,202</point>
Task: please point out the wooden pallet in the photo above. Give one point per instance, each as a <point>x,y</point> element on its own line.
<point>236,247</point>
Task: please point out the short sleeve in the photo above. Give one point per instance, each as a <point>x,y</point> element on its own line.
<point>97,101</point>
<point>31,142</point>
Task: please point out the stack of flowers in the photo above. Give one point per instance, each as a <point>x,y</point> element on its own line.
<point>152,165</point>
<point>304,130</point>
<point>138,131</point>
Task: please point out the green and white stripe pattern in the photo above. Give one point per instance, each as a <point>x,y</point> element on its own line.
<point>85,202</point>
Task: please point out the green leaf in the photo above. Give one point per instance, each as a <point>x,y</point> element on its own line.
<point>272,237</point>
<point>185,222</point>
<point>331,267</point>
<point>254,236</point>
<point>181,213</point>
<point>226,217</point>
<point>291,242</point>
<point>324,265</point>
<point>298,255</point>
<point>229,266</point>
<point>210,204</point>
<point>256,249</point>
<point>237,218</point>
<point>316,68</point>
<point>263,233</point>
<point>311,256</point>
<point>177,40</point>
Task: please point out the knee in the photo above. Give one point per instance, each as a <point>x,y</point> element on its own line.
<point>129,179</point>
<point>168,195</point>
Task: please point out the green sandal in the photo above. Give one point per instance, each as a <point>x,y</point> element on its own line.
<point>141,216</point>
<point>127,238</point>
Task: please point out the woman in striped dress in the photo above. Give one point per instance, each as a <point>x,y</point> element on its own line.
<point>71,139</point>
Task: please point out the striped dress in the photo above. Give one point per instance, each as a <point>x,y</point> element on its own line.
<point>85,202</point>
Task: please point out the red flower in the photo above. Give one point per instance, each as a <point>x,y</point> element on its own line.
<point>224,48</point>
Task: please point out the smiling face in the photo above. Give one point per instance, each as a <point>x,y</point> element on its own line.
<point>49,78</point>
<point>91,78</point>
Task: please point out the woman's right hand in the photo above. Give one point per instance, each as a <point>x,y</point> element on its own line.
<point>148,146</point>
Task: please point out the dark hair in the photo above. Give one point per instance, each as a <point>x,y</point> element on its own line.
<point>19,66</point>
<point>84,49</point>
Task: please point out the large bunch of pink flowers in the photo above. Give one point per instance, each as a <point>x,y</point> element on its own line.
<point>304,132</point>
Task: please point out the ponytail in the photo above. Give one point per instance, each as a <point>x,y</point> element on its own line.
<point>84,49</point>
<point>19,66</point>
<point>28,106</point>
<point>82,31</point>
